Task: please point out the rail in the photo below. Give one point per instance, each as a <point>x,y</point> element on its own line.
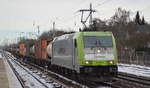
<point>17,74</point>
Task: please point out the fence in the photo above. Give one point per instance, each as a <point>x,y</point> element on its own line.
<point>135,57</point>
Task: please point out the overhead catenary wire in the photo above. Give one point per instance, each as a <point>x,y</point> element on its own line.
<point>104,2</point>
<point>68,19</point>
<point>62,20</point>
<point>82,3</point>
<point>65,22</point>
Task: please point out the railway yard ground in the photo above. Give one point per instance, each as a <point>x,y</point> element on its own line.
<point>134,69</point>
<point>7,77</point>
<point>28,77</point>
<point>18,75</point>
<point>3,75</point>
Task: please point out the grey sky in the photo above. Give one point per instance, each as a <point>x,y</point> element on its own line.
<point>19,15</point>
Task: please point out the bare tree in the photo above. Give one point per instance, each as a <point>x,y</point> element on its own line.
<point>121,17</point>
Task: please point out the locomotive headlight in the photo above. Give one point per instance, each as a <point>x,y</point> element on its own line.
<point>111,62</point>
<point>87,62</point>
<point>98,51</point>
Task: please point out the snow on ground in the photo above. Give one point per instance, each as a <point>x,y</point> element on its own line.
<point>38,76</point>
<point>30,81</point>
<point>134,69</point>
<point>12,79</point>
<point>126,68</point>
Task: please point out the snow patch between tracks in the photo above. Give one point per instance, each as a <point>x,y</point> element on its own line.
<point>134,69</point>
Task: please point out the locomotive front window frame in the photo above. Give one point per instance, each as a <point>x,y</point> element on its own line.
<point>98,41</point>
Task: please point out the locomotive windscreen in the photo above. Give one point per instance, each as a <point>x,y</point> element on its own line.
<point>98,47</point>
<point>97,41</point>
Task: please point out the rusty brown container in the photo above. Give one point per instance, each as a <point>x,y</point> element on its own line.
<point>22,49</point>
<point>43,49</point>
<point>40,49</point>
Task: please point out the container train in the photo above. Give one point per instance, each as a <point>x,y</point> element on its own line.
<point>87,53</point>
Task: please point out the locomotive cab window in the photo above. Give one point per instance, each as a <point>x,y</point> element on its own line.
<point>98,48</point>
<point>98,41</point>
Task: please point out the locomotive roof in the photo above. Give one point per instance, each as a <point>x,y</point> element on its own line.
<point>70,36</point>
<point>64,37</point>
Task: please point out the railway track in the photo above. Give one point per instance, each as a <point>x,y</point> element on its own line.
<point>67,83</point>
<point>15,72</point>
<point>123,80</point>
<point>137,80</point>
<point>73,83</point>
<point>11,62</point>
<point>60,81</point>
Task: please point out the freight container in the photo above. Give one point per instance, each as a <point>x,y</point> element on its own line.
<point>40,49</point>
<point>43,49</point>
<point>22,49</point>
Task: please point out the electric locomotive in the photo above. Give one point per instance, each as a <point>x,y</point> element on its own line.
<point>88,53</point>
